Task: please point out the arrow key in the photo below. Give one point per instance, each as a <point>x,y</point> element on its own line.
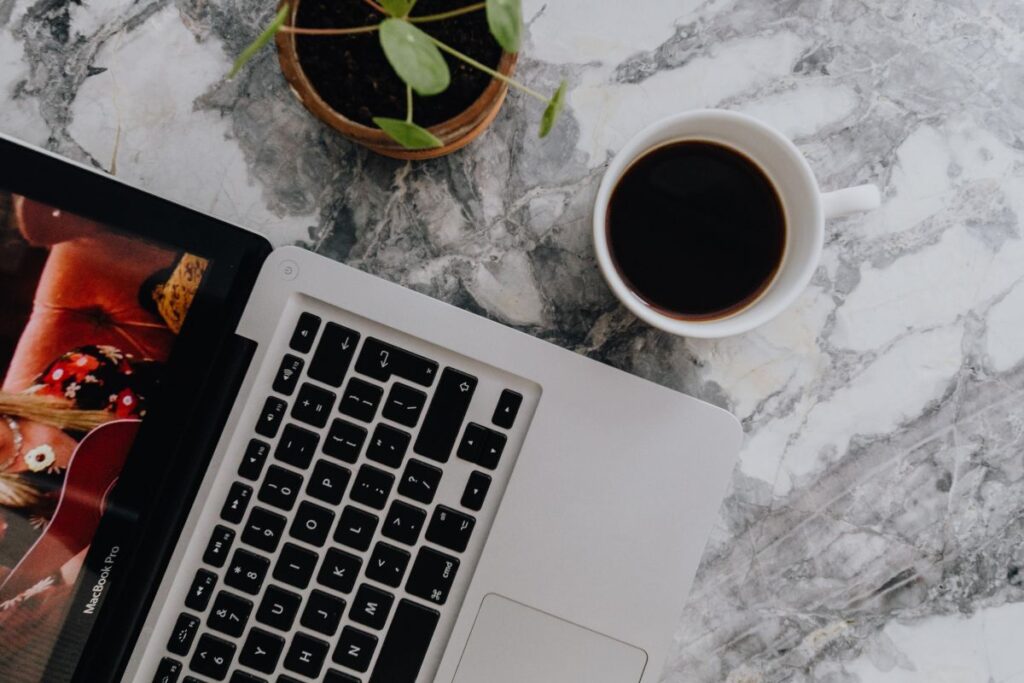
<point>476,490</point>
<point>507,409</point>
<point>472,442</point>
<point>491,452</point>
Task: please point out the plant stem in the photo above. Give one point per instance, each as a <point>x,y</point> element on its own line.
<point>408,105</point>
<point>409,11</point>
<point>375,6</point>
<point>449,14</point>
<point>487,70</point>
<point>327,31</point>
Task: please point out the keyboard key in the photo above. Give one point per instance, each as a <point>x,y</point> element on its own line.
<point>339,570</point>
<point>445,415</point>
<point>280,487</point>
<point>217,549</point>
<point>213,657</point>
<point>252,462</point>
<point>481,446</point>
<point>229,614</point>
<point>242,677</point>
<point>261,650</point>
<point>322,612</point>
<point>312,523</point>
<point>372,487</point>
<point>345,440</point>
<point>387,565</point>
<point>295,565</point>
<point>297,446</point>
<point>419,481</point>
<point>476,490</point>
<point>361,399</point>
<point>202,588</point>
<point>168,671</point>
<point>333,354</point>
<point>236,504</point>
<point>328,482</point>
<point>388,445</point>
<point>313,405</point>
<point>278,608</point>
<point>491,452</point>
<point>263,529</point>
<point>287,679</point>
<point>507,409</point>
<point>192,679</point>
<point>339,677</point>
<point>404,404</point>
<point>450,528</point>
<point>432,575</point>
<point>269,420</point>
<point>247,571</point>
<point>306,655</point>
<point>355,649</point>
<point>305,332</point>
<point>355,529</point>
<point>370,607</point>
<point>404,522</point>
<point>184,632</point>
<point>472,442</point>
<point>381,360</point>
<point>287,376</point>
<point>406,644</point>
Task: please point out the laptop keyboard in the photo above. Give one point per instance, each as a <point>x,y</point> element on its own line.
<point>339,545</point>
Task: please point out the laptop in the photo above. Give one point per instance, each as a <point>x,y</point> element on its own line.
<point>227,462</point>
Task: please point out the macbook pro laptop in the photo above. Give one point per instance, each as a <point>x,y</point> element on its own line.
<point>226,462</point>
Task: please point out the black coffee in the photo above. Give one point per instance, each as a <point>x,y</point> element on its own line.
<point>696,229</point>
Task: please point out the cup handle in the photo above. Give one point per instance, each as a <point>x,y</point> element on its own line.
<point>850,200</point>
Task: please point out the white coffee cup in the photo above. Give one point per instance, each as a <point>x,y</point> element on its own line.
<point>804,205</point>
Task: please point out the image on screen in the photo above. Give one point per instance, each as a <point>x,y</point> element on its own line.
<point>89,318</point>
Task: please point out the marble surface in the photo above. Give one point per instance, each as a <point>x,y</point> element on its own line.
<point>872,531</point>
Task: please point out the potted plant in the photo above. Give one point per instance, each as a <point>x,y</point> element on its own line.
<point>377,71</point>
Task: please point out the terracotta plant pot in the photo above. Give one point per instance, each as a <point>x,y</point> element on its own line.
<point>455,133</point>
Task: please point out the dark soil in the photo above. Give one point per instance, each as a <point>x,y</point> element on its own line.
<point>354,78</point>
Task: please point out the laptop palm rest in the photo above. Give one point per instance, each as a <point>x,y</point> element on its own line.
<point>513,643</point>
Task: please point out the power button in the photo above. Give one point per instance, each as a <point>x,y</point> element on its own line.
<point>288,269</point>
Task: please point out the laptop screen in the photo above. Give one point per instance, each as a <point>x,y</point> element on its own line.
<point>90,318</point>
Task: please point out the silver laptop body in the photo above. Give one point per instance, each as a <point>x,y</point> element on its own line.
<point>597,500</point>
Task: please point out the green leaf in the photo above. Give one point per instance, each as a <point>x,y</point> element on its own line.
<point>415,59</point>
<point>407,133</point>
<point>396,8</point>
<point>554,108</point>
<point>264,38</point>
<point>505,17</point>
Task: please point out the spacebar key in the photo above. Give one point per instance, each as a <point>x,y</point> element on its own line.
<point>445,415</point>
<point>406,644</point>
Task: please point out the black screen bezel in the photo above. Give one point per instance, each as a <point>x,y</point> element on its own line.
<point>149,504</point>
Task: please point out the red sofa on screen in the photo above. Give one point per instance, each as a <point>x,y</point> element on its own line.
<point>88,292</point>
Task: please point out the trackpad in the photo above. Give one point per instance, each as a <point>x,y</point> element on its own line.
<point>513,643</point>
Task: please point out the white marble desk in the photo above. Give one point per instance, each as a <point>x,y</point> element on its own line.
<point>873,530</point>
